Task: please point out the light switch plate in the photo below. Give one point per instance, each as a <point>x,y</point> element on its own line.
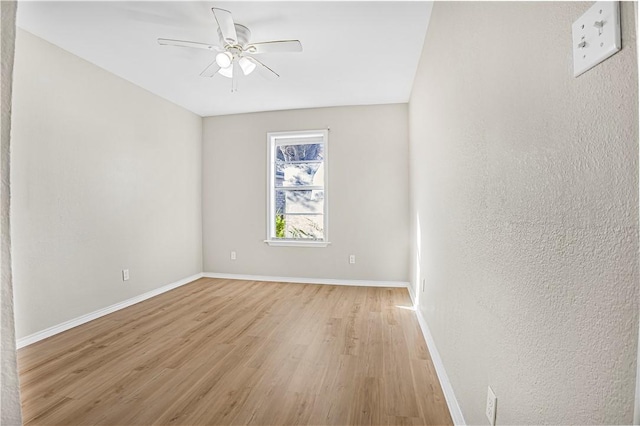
<point>596,36</point>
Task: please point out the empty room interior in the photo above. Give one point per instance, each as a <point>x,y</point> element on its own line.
<point>319,213</point>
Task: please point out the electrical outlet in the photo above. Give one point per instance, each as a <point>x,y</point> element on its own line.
<point>491,406</point>
<point>233,255</point>
<point>125,275</point>
<point>424,281</point>
<point>352,259</point>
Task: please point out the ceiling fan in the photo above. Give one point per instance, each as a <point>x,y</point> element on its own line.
<point>236,52</point>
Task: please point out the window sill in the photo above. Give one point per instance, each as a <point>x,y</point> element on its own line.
<point>290,243</point>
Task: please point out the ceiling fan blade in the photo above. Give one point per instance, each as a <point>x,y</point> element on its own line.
<point>211,70</point>
<point>280,46</point>
<point>264,70</point>
<point>226,25</point>
<point>193,44</point>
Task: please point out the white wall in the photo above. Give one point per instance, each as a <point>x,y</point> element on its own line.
<point>525,186</point>
<point>368,194</point>
<point>105,176</point>
<point>10,413</point>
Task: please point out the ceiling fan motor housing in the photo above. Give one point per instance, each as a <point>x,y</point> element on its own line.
<point>243,34</point>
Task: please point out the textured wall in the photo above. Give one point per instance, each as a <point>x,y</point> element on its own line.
<point>636,411</point>
<point>105,176</point>
<point>368,194</point>
<point>9,390</point>
<point>525,212</point>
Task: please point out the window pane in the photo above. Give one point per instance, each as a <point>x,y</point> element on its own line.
<point>297,174</point>
<point>297,201</point>
<point>301,152</point>
<point>300,226</point>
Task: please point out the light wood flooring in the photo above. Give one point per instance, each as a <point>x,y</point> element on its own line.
<point>239,352</point>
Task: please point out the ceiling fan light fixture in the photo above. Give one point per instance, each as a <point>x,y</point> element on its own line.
<point>234,45</point>
<point>227,72</point>
<point>224,59</point>
<point>247,65</point>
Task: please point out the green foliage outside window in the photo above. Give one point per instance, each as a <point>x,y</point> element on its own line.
<point>280,223</point>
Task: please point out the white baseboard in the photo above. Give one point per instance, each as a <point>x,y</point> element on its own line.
<point>361,283</point>
<point>25,341</point>
<point>445,384</point>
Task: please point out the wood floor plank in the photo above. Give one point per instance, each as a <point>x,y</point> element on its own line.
<point>364,407</point>
<point>220,351</point>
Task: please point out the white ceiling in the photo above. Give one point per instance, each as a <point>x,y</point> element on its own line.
<point>355,53</point>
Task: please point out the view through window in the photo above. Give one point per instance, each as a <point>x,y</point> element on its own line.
<point>297,186</point>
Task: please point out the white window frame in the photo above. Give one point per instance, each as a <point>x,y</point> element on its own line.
<point>274,139</point>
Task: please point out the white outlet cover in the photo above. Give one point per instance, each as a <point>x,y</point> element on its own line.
<point>592,43</point>
<point>491,406</point>
<point>125,275</point>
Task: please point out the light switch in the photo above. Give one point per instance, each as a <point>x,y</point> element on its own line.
<point>596,36</point>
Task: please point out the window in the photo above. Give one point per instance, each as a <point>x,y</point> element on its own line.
<point>297,189</point>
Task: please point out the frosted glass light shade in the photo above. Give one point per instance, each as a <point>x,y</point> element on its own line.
<point>247,65</point>
<point>224,59</point>
<point>227,72</point>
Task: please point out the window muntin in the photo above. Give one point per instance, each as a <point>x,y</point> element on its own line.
<point>297,187</point>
